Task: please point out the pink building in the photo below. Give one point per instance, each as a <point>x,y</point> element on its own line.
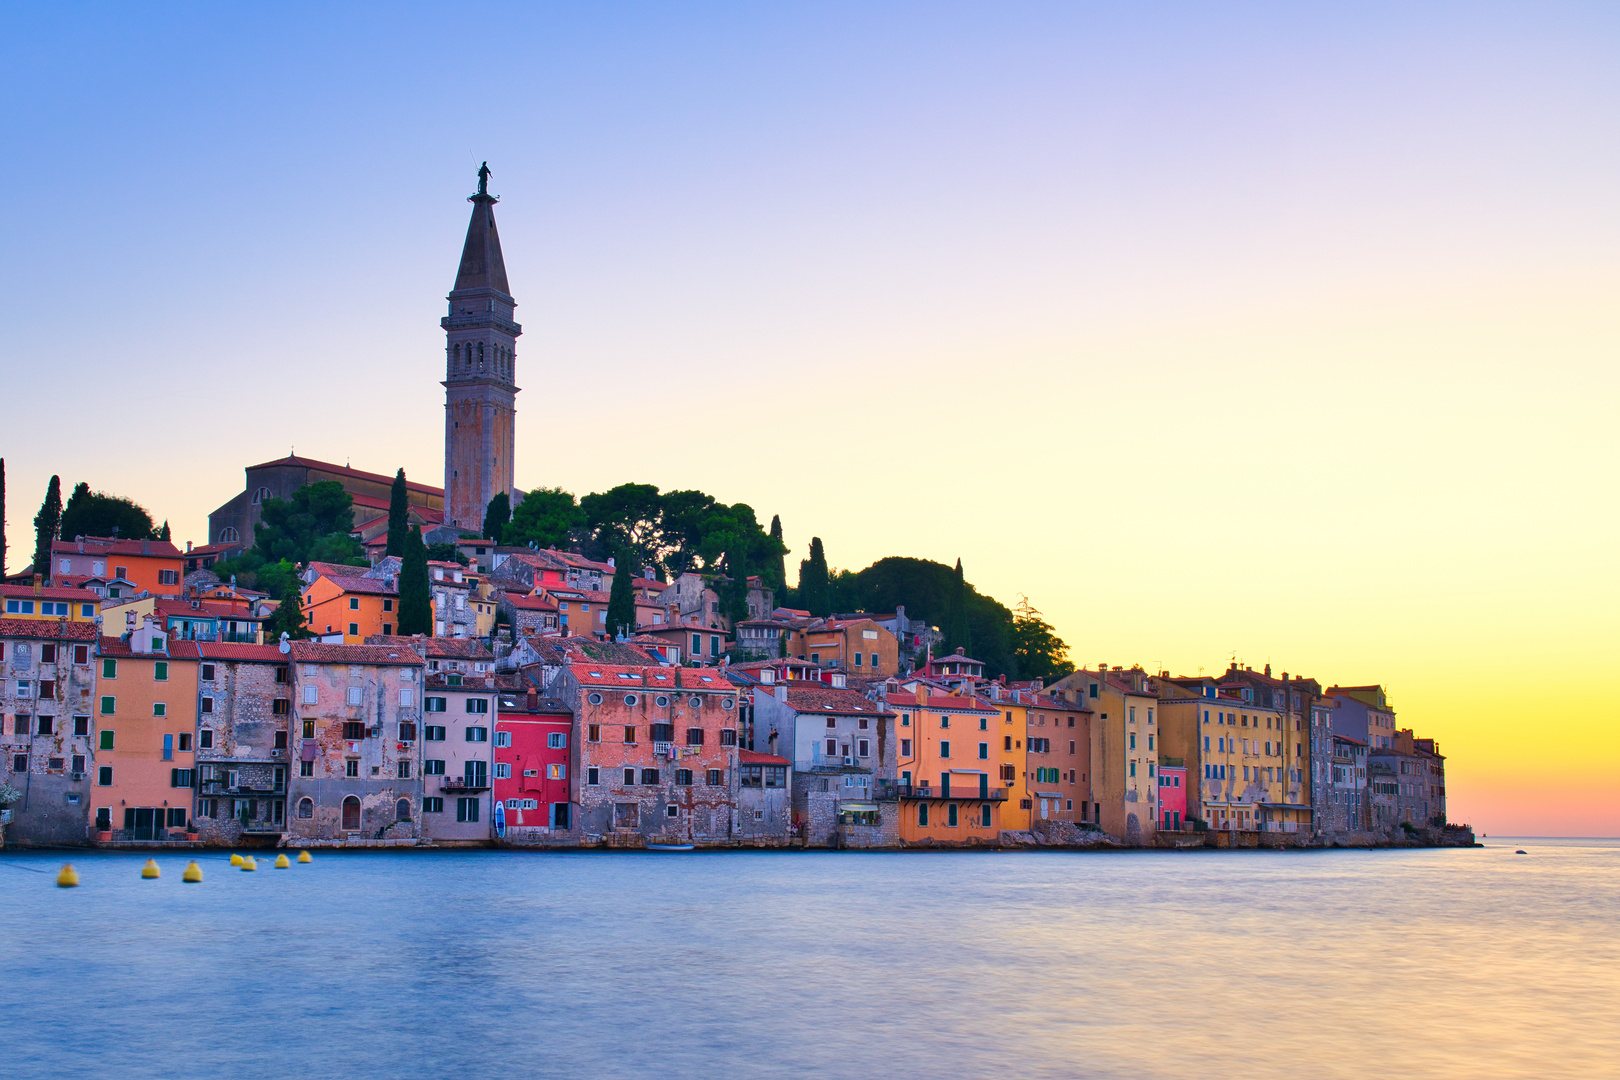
<point>1172,797</point>
<point>534,765</point>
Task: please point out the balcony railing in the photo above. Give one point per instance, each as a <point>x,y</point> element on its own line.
<point>462,783</point>
<point>888,789</point>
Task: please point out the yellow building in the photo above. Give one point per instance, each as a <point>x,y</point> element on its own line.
<point>39,601</point>
<point>1020,746</point>
<point>1124,747</point>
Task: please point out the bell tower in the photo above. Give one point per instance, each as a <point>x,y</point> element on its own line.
<point>480,371</point>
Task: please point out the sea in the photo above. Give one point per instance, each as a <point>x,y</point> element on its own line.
<point>1497,961</point>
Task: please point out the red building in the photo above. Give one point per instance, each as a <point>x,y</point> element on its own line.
<point>1172,797</point>
<point>534,764</point>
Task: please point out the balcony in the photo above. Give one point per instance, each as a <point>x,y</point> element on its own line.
<point>260,826</point>
<point>888,789</point>
<point>462,784</point>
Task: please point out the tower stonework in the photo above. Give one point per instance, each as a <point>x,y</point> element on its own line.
<point>480,372</point>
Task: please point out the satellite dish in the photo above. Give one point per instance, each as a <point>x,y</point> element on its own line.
<point>286,645</point>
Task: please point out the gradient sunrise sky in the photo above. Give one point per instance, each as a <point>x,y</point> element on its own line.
<point>1280,331</point>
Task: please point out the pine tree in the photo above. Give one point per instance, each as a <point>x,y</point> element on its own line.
<point>496,516</point>
<point>163,533</point>
<point>399,515</point>
<point>814,593</point>
<point>288,617</point>
<point>2,518</point>
<point>621,615</point>
<point>778,579</point>
<point>45,526</point>
<point>415,599</point>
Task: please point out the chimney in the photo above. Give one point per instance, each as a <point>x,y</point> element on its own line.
<point>146,547</point>
<point>961,651</point>
<point>532,701</point>
<point>781,691</point>
<point>1268,671</point>
<point>38,584</point>
<point>80,539</point>
<point>188,547</point>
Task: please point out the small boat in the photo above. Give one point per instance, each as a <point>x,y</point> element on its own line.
<point>669,847</point>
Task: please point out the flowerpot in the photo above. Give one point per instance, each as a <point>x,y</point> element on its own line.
<point>104,836</point>
<point>191,837</point>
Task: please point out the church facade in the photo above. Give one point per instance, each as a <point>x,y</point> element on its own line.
<point>480,386</point>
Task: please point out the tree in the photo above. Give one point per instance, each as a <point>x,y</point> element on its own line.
<point>1040,653</point>
<point>621,614</point>
<point>288,617</point>
<point>399,515</point>
<point>547,517</point>
<point>814,595</point>
<point>313,525</point>
<point>628,516</point>
<point>96,513</point>
<point>958,634</point>
<point>415,600</point>
<point>775,570</point>
<point>496,516</point>
<point>734,589</point>
<point>2,517</point>
<point>447,552</point>
<point>46,523</point>
<point>163,533</point>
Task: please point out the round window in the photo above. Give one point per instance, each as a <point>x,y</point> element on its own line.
<point>661,701</point>
<point>696,702</point>
<point>629,699</point>
<point>727,703</point>
<point>594,699</point>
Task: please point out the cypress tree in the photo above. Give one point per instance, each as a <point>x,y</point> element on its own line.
<point>814,593</point>
<point>496,516</point>
<point>957,633</point>
<point>2,518</point>
<point>621,616</point>
<point>415,599</point>
<point>163,533</point>
<point>46,523</point>
<point>778,580</point>
<point>399,515</point>
<point>288,616</point>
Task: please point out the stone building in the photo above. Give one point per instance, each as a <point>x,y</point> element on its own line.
<point>233,523</point>
<point>657,752</point>
<point>1348,810</point>
<point>764,798</point>
<point>244,712</point>
<point>47,688</point>
<point>480,372</point>
<point>359,759</point>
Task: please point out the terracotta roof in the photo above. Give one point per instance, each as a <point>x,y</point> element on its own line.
<point>49,592</point>
<point>106,545</point>
<point>752,757</point>
<point>937,703</point>
<point>368,585</point>
<point>437,648</point>
<point>582,562</point>
<point>210,549</point>
<point>45,628</point>
<point>554,651</point>
<point>649,583</point>
<point>225,650</point>
<point>213,611</point>
<point>344,470</point>
<point>177,650</point>
<point>832,699</point>
<point>330,568</point>
<point>588,673</point>
<point>528,602</point>
<point>308,652</point>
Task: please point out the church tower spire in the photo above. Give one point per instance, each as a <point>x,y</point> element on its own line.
<point>480,371</point>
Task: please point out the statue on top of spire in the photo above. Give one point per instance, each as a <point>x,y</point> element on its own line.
<point>483,179</point>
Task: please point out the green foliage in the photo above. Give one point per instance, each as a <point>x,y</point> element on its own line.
<point>928,589</point>
<point>814,594</point>
<point>46,524</point>
<point>314,525</point>
<point>958,632</point>
<point>497,515</point>
<point>281,580</point>
<point>621,615</point>
<point>734,587</point>
<point>547,517</point>
<point>163,533</point>
<point>1038,651</point>
<point>629,516</point>
<point>447,553</point>
<point>677,531</point>
<point>96,513</point>
<point>399,515</point>
<point>2,517</point>
<point>774,571</point>
<point>415,599</point>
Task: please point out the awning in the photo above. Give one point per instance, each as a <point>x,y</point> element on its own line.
<point>860,806</point>
<point>1047,795</point>
<point>967,772</point>
<point>1286,806</point>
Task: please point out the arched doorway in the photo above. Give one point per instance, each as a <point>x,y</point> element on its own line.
<point>351,812</point>
<point>402,810</point>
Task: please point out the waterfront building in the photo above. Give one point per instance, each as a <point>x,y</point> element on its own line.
<point>1124,747</point>
<point>243,719</point>
<point>359,763</point>
<point>1058,763</point>
<point>842,745</point>
<point>145,724</point>
<point>126,566</point>
<point>1293,699</point>
<point>1173,792</point>
<point>1030,759</point>
<point>764,797</point>
<point>950,764</point>
<point>47,688</point>
<point>1363,713</point>
<point>536,771</point>
<point>657,751</point>
<point>459,737</point>
<point>1347,806</point>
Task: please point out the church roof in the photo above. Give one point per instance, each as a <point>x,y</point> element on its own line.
<point>482,266</point>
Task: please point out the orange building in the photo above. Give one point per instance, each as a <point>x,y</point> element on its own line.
<point>154,566</point>
<point>854,643</point>
<point>145,721</point>
<point>356,607</point>
<point>950,767</point>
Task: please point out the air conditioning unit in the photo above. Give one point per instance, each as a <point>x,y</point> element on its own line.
<point>849,761</point>
<point>76,776</point>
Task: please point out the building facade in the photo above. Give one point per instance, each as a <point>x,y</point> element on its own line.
<point>47,687</point>
<point>242,760</point>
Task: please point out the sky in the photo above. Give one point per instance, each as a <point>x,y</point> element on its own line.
<point>1270,331</point>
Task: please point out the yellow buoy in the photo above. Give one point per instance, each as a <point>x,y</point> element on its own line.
<point>303,856</point>
<point>249,863</point>
<point>236,860</point>
<point>193,873</point>
<point>282,862</point>
<point>150,870</point>
<point>69,877</point>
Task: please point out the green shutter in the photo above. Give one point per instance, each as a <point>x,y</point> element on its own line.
<point>107,703</point>
<point>106,733</point>
<point>109,668</point>
<point>160,671</point>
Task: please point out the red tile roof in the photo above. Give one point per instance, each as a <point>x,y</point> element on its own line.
<point>753,757</point>
<point>938,703</point>
<point>832,699</point>
<point>528,602</point>
<point>183,608</point>
<point>437,648</point>
<point>591,674</point>
<point>344,470</point>
<point>106,545</point>
<point>308,652</point>
<point>330,568</point>
<point>49,592</point>
<point>365,585</point>
<point>46,629</point>
<point>226,650</point>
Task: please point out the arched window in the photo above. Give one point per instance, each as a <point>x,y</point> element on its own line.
<point>261,495</point>
<point>480,352</point>
<point>306,807</point>
<point>351,812</point>
<point>402,810</point>
<point>229,536</point>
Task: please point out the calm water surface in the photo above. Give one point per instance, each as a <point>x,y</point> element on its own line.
<point>1456,963</point>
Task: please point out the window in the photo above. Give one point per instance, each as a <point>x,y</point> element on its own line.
<point>503,738</point>
<point>388,605</point>
<point>629,699</point>
<point>594,699</point>
<point>478,734</point>
<point>433,704</point>
<point>168,747</point>
<point>351,767</point>
<point>683,777</point>
<point>81,727</point>
<point>180,777</point>
<point>950,815</point>
<point>432,767</point>
<point>106,742</point>
<point>984,751</point>
<point>922,814</point>
<point>109,668</point>
<point>863,748</point>
<point>905,747</point>
<point>478,705</point>
<point>557,740</point>
<point>649,777</point>
<point>44,725</point>
<point>944,749</point>
<point>728,736</point>
<point>19,607</point>
<point>407,698</point>
<point>467,808</point>
<point>593,733</point>
<point>433,804</point>
<point>715,777</point>
<point>19,763</point>
<point>503,770</point>
<point>630,735</point>
<point>206,705</point>
<point>311,695</point>
<point>354,729</point>
<point>103,776</point>
<point>309,729</point>
<point>629,776</point>
<point>694,736</point>
<point>404,771</point>
<point>832,747</point>
<point>593,776</point>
